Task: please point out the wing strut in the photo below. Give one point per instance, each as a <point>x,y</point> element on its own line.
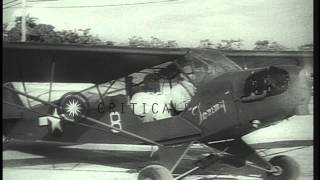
<point>143,139</point>
<point>99,92</point>
<point>53,64</point>
<point>25,91</point>
<point>110,86</point>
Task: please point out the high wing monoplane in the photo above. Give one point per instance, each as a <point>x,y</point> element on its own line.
<point>171,98</point>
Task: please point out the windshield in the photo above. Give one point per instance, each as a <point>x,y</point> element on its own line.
<point>200,64</point>
<point>216,62</point>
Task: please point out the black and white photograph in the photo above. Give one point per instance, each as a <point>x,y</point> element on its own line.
<point>158,89</point>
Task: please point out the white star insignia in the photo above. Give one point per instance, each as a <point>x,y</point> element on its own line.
<point>55,122</point>
<point>73,108</point>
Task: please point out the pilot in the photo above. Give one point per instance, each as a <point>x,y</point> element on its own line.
<point>151,83</point>
<point>182,93</point>
<point>150,101</point>
<point>154,103</point>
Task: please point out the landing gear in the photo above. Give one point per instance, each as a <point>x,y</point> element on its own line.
<point>278,168</point>
<point>155,172</point>
<point>285,168</point>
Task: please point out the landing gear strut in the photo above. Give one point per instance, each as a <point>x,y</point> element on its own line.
<point>285,168</point>
<point>278,168</point>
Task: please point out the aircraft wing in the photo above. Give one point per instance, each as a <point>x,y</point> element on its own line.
<point>282,144</point>
<point>255,58</point>
<point>32,62</point>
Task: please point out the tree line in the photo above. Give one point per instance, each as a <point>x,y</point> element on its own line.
<point>46,33</point>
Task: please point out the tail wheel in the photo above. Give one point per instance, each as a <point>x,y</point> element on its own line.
<point>73,105</point>
<point>155,172</point>
<point>285,167</point>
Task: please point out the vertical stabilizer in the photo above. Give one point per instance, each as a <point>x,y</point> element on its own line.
<point>10,112</point>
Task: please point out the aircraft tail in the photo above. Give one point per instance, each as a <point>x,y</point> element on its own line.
<point>11,112</point>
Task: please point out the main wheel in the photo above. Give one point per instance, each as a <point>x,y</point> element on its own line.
<point>155,172</point>
<point>286,169</point>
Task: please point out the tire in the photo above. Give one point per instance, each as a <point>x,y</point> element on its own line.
<point>76,98</point>
<point>155,172</point>
<point>288,169</point>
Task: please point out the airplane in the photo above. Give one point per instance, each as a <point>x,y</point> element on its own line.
<point>172,98</point>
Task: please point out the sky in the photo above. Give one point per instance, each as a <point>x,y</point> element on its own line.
<point>289,22</point>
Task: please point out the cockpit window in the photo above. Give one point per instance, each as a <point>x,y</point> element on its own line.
<point>195,69</point>
<point>217,63</point>
<point>201,64</point>
<point>162,92</point>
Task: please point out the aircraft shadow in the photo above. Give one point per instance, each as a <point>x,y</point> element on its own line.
<point>46,154</point>
<point>50,154</point>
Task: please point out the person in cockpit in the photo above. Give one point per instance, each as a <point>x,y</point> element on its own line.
<point>182,93</point>
<point>148,97</point>
<point>150,103</point>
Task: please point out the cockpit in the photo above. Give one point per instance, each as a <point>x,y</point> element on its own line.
<point>167,89</point>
